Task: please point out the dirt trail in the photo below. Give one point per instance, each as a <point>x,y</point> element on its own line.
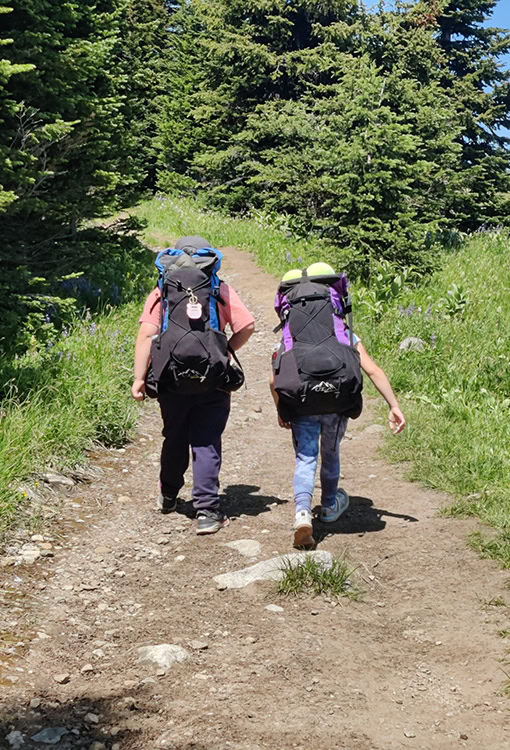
<point>416,664</point>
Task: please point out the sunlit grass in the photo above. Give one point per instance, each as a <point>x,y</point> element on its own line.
<point>312,576</point>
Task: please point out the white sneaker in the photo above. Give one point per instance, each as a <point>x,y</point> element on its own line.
<point>303,530</point>
<point>329,515</point>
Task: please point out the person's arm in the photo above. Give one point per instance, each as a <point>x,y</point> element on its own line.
<point>239,339</point>
<point>378,377</point>
<point>142,359</point>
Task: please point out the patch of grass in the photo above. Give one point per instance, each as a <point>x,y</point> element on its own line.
<point>61,401</point>
<point>492,549</point>
<point>456,392</point>
<point>313,577</point>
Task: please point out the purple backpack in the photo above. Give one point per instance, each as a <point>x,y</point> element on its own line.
<point>316,369</point>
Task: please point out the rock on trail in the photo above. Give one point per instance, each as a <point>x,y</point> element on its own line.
<point>269,570</point>
<point>163,655</point>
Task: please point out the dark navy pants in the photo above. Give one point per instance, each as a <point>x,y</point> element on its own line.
<point>196,422</point>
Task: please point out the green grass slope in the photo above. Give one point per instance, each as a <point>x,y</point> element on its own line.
<point>456,392</point>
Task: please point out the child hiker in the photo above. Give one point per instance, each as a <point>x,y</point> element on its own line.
<point>316,386</point>
<point>182,337</point>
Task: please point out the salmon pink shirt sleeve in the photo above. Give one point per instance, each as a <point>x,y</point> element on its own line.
<point>151,311</point>
<point>233,313</point>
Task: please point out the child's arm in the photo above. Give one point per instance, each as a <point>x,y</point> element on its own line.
<point>378,377</point>
<point>274,394</point>
<point>142,359</point>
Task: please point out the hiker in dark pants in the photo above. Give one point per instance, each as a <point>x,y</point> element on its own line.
<point>197,420</point>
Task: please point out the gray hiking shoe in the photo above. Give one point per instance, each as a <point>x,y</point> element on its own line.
<point>166,504</point>
<point>211,521</point>
<point>330,515</point>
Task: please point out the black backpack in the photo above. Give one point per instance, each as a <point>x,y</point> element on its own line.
<point>316,369</point>
<point>191,353</point>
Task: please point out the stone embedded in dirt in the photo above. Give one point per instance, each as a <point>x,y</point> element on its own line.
<point>91,718</point>
<point>98,652</point>
<point>198,645</point>
<point>409,733</point>
<point>412,344</point>
<point>37,538</point>
<point>274,608</point>
<point>124,499</point>
<point>15,739</point>
<point>162,540</point>
<point>29,553</point>
<point>164,655</point>
<point>463,736</point>
<point>87,668</point>
<point>62,678</point>
<point>49,736</point>
<point>251,639</point>
<point>269,570</point>
<point>246,547</point>
<point>57,479</point>
<point>35,703</point>
<point>42,636</point>
<point>180,558</point>
<point>166,740</point>
<point>91,586</point>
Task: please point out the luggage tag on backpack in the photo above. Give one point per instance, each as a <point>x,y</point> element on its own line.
<point>193,308</point>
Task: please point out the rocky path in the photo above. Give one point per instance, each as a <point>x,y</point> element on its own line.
<point>417,663</point>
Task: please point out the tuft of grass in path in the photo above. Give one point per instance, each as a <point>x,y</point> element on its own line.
<point>312,577</point>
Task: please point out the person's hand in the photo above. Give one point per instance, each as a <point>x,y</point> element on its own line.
<point>138,390</point>
<point>396,420</point>
<point>282,423</point>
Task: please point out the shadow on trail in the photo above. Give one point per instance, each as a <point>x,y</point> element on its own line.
<point>241,499</point>
<point>361,517</point>
<point>75,722</point>
<point>237,500</point>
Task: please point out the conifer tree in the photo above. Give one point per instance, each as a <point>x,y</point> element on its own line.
<point>327,114</point>
<point>479,87</point>
<point>141,55</point>
<point>68,120</point>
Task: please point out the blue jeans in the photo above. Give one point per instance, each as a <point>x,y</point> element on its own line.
<point>307,433</point>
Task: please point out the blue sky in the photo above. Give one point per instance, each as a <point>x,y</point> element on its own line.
<point>501,18</point>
